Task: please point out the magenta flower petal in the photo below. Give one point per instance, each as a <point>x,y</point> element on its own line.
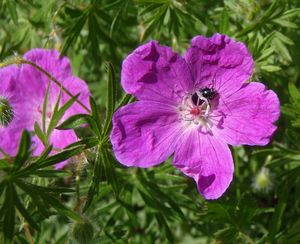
<point>154,72</point>
<point>207,160</point>
<point>250,114</point>
<point>144,133</point>
<point>219,61</point>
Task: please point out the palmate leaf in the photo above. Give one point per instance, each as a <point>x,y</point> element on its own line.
<point>21,208</point>
<point>41,196</point>
<point>12,8</point>
<point>156,192</point>
<point>162,223</point>
<point>93,37</point>
<point>155,21</point>
<point>59,157</point>
<point>43,162</point>
<point>122,9</point>
<point>73,31</point>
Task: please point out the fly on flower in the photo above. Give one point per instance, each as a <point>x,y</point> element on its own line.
<point>178,111</point>
<point>205,95</point>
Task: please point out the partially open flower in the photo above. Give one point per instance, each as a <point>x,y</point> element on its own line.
<point>263,180</point>
<point>192,107</point>
<point>12,115</point>
<point>26,91</point>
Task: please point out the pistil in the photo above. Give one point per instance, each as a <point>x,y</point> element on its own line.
<point>195,111</point>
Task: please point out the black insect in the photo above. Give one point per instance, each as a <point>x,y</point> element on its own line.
<point>204,95</point>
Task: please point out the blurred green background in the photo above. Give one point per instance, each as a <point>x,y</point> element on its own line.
<point>159,205</point>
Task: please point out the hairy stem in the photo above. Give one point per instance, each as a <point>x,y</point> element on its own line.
<point>22,61</point>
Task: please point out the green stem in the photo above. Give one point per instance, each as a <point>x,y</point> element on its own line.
<point>237,173</point>
<point>22,61</point>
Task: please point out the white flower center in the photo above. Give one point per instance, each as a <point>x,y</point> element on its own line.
<point>195,112</point>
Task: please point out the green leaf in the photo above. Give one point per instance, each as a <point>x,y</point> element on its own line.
<point>284,38</point>
<point>9,213</point>
<point>51,173</point>
<point>125,100</point>
<point>94,185</point>
<point>93,36</point>
<point>116,21</point>
<point>86,143</point>
<point>23,151</point>
<point>270,68</point>
<point>285,23</point>
<point>34,194</point>
<point>155,21</point>
<point>59,157</point>
<point>96,126</point>
<point>12,8</point>
<point>279,211</point>
<point>110,171</point>
<point>73,32</point>
<point>59,113</point>
<point>224,22</point>
<point>45,154</point>
<point>45,162</point>
<point>40,134</point>
<point>73,122</point>
<point>44,194</point>
<point>282,49</point>
<point>165,227</point>
<point>44,114</point>
<point>294,92</point>
<point>290,13</point>
<point>153,190</point>
<point>111,98</point>
<point>24,212</point>
<point>4,164</point>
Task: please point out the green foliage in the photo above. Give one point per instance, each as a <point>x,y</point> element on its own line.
<point>108,203</point>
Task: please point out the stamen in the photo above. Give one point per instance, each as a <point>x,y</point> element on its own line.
<point>195,110</point>
<point>6,112</point>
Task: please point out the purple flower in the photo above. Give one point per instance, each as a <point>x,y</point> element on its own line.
<point>13,122</point>
<point>26,92</point>
<point>192,107</point>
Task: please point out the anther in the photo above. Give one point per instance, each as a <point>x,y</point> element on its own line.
<point>6,112</point>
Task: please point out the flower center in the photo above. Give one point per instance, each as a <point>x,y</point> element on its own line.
<point>195,110</point>
<point>6,112</point>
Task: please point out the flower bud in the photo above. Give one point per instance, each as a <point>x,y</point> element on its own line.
<point>263,180</point>
<point>6,112</point>
<point>83,231</point>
